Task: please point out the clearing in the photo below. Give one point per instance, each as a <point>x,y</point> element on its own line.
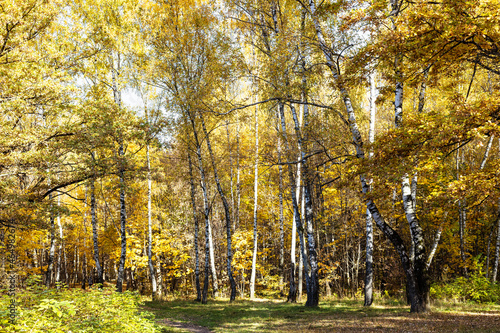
<point>331,316</point>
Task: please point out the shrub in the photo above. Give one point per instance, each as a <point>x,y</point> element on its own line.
<point>75,310</point>
<point>476,288</point>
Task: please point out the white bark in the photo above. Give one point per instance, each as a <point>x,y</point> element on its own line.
<point>206,211</point>
<point>231,175</point>
<point>462,206</point>
<point>52,249</point>
<point>435,243</point>
<point>497,248</point>
<point>419,303</point>
<point>61,249</point>
<point>196,227</point>
<point>255,205</point>
<point>369,221</point>
<point>227,213</point>
<point>150,231</point>
<point>115,72</point>
<point>487,152</point>
<point>298,223</point>
<point>238,184</point>
<point>93,214</point>
<point>313,283</point>
<point>215,280</point>
<point>160,279</point>
<point>281,218</point>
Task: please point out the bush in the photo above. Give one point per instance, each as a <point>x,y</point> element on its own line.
<point>476,288</point>
<point>75,310</point>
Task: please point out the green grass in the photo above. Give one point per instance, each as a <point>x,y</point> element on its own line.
<point>331,316</point>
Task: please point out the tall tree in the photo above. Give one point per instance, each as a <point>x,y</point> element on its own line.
<point>369,222</point>
<point>255,207</point>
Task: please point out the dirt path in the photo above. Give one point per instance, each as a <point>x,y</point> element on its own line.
<point>186,326</point>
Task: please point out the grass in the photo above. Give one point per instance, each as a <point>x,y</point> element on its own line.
<point>331,316</point>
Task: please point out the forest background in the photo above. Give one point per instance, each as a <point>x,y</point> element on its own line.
<point>269,137</point>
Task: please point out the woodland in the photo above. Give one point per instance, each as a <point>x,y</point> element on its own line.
<point>248,149</point>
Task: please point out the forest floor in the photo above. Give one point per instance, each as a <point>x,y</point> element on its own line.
<point>331,316</point>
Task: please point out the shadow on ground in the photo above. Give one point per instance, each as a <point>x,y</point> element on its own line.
<point>334,316</point>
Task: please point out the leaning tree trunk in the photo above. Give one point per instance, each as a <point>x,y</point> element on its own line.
<point>196,227</point>
<point>419,303</point>
<point>226,212</point>
<point>215,280</point>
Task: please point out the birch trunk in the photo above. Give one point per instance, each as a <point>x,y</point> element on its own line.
<point>93,215</point>
<point>255,202</point>
<point>159,291</point>
<point>418,287</point>
<point>435,243</point>
<point>196,227</point>
<point>423,86</point>
<point>313,285</point>
<point>238,185</point>
<point>297,215</point>
<point>76,263</point>
<point>421,296</point>
<point>300,277</point>
<point>121,172</point>
<point>481,167</point>
<point>226,212</point>
<point>84,270</point>
<point>61,248</point>
<point>215,280</point>
<point>52,250</point>
<point>418,303</point>
<point>123,222</point>
<point>461,220</point>
<point>292,296</point>
<point>488,251</point>
<point>231,175</point>
<point>206,210</point>
<point>497,248</point>
<point>150,231</point>
<point>282,234</point>
<point>298,223</point>
<point>369,222</point>
<point>486,152</point>
<point>35,259</point>
<point>301,255</point>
